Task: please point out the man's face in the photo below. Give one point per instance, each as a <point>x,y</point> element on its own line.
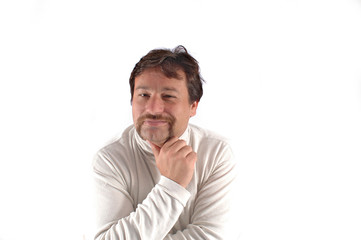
<point>160,106</point>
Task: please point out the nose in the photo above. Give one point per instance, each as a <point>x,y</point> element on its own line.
<point>155,105</point>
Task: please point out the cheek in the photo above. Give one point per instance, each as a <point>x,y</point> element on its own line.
<point>135,111</point>
<point>183,115</point>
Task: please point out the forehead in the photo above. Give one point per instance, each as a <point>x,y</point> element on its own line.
<point>155,77</point>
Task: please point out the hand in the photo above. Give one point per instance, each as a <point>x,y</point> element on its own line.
<point>175,160</point>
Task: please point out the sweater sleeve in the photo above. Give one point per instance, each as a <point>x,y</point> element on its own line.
<point>118,220</point>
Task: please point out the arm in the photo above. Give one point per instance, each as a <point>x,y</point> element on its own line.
<point>212,205</point>
<point>117,218</point>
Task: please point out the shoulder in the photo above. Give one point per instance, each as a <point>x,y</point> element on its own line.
<point>116,150</point>
<point>207,136</point>
<point>214,152</point>
<point>119,141</point>
<point>210,144</point>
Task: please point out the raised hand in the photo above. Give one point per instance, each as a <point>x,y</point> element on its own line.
<point>175,160</point>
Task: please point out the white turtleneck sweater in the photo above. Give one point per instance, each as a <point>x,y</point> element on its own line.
<point>133,201</point>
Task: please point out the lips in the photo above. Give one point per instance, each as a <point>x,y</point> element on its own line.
<point>155,123</point>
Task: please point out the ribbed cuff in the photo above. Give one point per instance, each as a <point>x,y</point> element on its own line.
<point>175,190</point>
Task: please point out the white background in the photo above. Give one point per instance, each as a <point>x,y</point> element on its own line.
<point>283,84</point>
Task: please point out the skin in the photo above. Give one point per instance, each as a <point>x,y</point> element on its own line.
<point>161,112</point>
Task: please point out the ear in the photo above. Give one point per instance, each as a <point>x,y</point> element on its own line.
<point>193,108</point>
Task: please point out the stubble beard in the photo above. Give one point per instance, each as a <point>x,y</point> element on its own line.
<point>156,135</point>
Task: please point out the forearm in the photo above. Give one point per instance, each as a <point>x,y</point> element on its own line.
<point>212,211</point>
<point>153,218</point>
<point>195,232</point>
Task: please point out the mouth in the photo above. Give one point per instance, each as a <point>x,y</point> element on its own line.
<point>155,123</point>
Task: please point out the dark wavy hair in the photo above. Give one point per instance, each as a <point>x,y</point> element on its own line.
<point>169,62</point>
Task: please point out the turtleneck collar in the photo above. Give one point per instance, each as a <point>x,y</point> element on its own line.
<point>144,145</point>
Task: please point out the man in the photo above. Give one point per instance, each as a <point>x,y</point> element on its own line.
<point>164,178</point>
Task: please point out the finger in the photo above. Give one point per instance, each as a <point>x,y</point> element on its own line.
<point>192,156</point>
<point>185,150</point>
<point>179,145</point>
<point>155,149</point>
<point>171,141</point>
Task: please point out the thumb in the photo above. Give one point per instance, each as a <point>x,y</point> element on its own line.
<point>155,149</point>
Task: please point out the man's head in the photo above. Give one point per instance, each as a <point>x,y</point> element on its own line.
<point>166,87</point>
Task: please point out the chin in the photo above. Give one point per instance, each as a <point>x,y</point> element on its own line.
<point>155,137</point>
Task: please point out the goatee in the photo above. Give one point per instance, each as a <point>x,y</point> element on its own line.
<point>155,135</point>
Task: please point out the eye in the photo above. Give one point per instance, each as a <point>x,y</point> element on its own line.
<point>143,95</point>
<point>168,96</point>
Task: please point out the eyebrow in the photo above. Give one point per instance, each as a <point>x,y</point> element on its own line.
<point>142,87</point>
<point>171,89</point>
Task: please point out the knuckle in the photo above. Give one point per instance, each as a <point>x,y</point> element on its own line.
<point>192,156</point>
<point>188,149</point>
<point>182,143</point>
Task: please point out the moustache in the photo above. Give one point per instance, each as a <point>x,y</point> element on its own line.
<point>160,117</point>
